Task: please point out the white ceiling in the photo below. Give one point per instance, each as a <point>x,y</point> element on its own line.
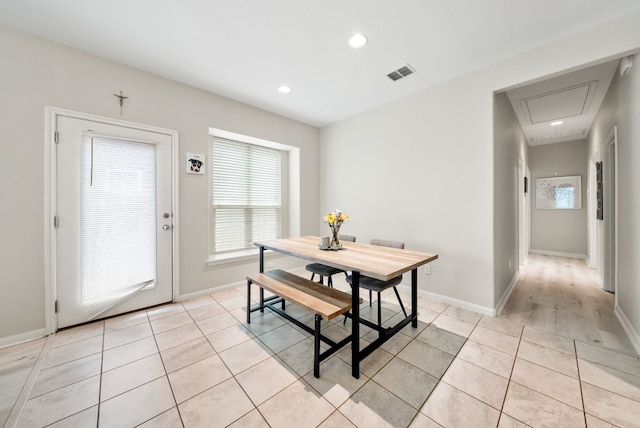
<point>245,49</point>
<point>573,98</point>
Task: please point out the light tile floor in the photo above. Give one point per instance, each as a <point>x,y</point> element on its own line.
<point>198,364</point>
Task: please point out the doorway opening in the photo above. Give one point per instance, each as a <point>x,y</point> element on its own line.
<point>610,212</point>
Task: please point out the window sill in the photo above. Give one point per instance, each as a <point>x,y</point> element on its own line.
<point>236,257</point>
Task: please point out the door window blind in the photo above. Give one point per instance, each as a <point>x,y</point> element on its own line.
<point>246,194</point>
<point>118,221</point>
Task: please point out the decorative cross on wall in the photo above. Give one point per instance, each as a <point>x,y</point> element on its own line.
<point>121,98</point>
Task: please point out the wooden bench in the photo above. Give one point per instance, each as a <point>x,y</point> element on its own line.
<point>326,303</point>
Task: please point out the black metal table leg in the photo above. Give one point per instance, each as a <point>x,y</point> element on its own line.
<point>355,324</point>
<point>316,348</point>
<point>414,298</point>
<point>261,259</point>
<point>248,301</point>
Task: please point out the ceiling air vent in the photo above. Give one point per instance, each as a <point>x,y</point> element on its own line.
<point>401,72</point>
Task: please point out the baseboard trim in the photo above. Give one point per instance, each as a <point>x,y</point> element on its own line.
<point>208,291</point>
<point>484,310</point>
<point>406,288</point>
<point>559,254</point>
<point>505,296</point>
<point>633,335</point>
<point>22,338</point>
<point>600,282</point>
<point>219,288</point>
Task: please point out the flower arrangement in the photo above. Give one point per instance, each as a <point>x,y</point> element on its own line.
<point>334,220</point>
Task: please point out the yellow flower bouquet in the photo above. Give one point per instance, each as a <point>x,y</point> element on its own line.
<point>334,220</point>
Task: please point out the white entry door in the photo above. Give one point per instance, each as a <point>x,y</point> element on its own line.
<point>114,227</point>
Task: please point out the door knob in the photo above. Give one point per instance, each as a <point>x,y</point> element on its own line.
<point>166,227</point>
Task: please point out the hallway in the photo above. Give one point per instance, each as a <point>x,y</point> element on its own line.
<point>562,296</point>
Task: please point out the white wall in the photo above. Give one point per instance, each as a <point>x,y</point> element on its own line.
<point>621,108</point>
<point>510,147</point>
<point>421,169</point>
<point>399,178</point>
<point>608,117</point>
<point>36,73</point>
<point>559,231</point>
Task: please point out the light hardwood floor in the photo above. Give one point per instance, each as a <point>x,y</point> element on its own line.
<point>562,296</point>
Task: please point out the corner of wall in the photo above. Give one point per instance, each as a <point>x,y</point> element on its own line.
<point>505,296</point>
<point>633,335</point>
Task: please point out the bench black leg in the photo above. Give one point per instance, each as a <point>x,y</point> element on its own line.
<point>414,298</point>
<point>261,259</point>
<point>316,348</point>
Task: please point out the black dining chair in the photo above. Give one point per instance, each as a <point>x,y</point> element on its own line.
<point>328,271</point>
<point>379,286</point>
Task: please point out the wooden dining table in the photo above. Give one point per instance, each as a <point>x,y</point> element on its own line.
<point>383,263</point>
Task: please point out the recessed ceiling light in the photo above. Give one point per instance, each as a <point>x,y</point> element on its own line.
<point>284,89</point>
<point>556,123</point>
<point>358,40</point>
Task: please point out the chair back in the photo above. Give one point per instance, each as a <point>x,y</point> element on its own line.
<point>348,238</point>
<point>387,243</point>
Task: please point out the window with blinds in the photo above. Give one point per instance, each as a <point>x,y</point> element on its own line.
<point>118,216</point>
<point>246,195</point>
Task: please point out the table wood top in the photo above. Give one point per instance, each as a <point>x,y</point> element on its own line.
<point>375,261</point>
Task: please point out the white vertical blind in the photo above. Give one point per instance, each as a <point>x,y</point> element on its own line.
<point>118,220</point>
<point>246,194</point>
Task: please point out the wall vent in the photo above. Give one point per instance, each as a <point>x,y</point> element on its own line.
<point>401,72</point>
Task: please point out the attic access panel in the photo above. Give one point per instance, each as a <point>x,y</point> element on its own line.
<point>567,102</point>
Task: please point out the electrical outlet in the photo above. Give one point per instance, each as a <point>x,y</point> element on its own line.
<point>509,264</point>
<point>427,269</point>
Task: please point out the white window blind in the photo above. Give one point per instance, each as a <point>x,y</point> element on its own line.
<point>246,194</point>
<point>118,221</point>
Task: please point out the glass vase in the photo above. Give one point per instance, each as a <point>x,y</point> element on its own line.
<point>335,241</point>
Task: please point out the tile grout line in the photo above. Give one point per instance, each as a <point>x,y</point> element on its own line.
<point>504,400</point>
<point>370,379</point>
<point>448,366</point>
<point>104,332</point>
<point>301,378</point>
<point>166,374</point>
<point>22,399</point>
<point>233,376</point>
<point>584,408</point>
<point>131,362</point>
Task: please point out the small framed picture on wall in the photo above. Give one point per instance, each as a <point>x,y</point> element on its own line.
<point>195,163</point>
